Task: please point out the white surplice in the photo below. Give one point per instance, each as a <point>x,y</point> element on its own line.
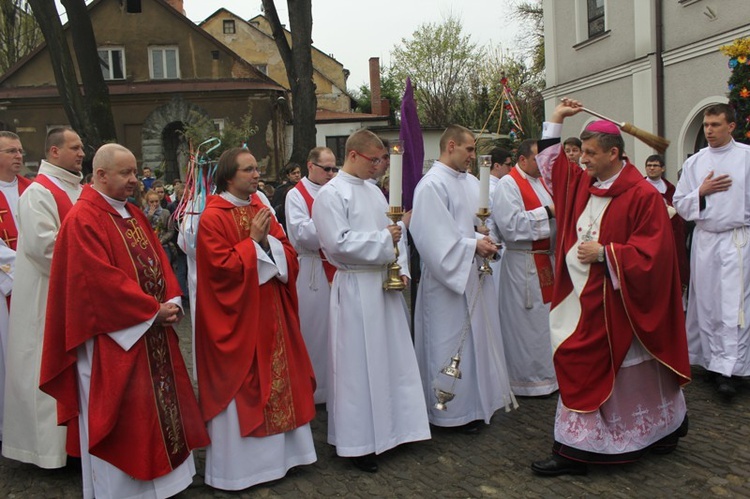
<point>31,434</point>
<point>718,313</point>
<point>524,318</point>
<point>7,268</point>
<point>313,290</point>
<point>442,226</point>
<point>375,399</point>
<point>496,263</point>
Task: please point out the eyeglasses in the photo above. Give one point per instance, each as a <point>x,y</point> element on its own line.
<point>14,151</point>
<point>327,169</point>
<point>374,161</point>
<point>508,163</point>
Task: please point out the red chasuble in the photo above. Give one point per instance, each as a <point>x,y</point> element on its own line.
<point>329,269</point>
<point>248,344</point>
<point>639,244</point>
<point>109,274</point>
<point>542,261</point>
<point>680,237</point>
<point>8,229</point>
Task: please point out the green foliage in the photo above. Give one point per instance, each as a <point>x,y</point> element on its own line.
<point>530,13</point>
<point>739,87</point>
<point>232,135</point>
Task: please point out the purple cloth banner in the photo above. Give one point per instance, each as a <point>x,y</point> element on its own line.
<point>411,137</point>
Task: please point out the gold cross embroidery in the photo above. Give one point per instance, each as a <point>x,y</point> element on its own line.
<point>2,212</point>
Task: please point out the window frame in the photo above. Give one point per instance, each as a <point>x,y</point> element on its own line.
<point>163,49</point>
<point>591,19</point>
<point>227,23</point>
<point>109,49</point>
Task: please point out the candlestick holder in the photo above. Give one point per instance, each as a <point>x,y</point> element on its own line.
<point>483,214</point>
<point>393,281</point>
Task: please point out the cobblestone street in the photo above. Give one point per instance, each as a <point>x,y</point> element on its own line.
<point>712,461</point>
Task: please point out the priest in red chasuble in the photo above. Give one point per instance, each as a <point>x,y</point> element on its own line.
<point>616,319</point>
<point>255,379</point>
<point>111,358</point>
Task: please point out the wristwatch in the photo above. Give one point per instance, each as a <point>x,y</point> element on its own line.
<point>600,257</point>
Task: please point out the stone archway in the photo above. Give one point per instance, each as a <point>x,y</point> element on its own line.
<point>162,122</point>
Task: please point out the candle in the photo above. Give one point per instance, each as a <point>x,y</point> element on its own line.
<point>484,181</point>
<point>396,150</point>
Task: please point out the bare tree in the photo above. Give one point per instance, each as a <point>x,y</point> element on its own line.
<point>19,32</point>
<point>299,68</point>
<point>90,117</point>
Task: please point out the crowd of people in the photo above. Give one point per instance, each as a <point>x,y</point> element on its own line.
<point>578,284</point>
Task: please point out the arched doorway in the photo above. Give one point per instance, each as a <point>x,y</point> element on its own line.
<point>174,147</point>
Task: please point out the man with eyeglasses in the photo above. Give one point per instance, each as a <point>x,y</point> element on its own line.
<point>255,380</point>
<point>31,433</point>
<point>523,213</point>
<point>12,186</point>
<point>502,162</point>
<point>456,309</point>
<point>375,397</point>
<point>315,272</point>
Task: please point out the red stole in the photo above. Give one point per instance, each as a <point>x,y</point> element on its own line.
<point>63,202</point>
<point>8,229</point>
<point>542,261</point>
<point>329,269</point>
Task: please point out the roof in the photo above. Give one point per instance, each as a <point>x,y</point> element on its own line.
<point>325,116</point>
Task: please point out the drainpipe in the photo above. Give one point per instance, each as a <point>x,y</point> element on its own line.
<point>659,21</point>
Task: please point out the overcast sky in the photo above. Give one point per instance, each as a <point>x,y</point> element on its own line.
<point>354,31</point>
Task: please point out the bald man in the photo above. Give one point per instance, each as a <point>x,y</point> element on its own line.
<point>110,356</point>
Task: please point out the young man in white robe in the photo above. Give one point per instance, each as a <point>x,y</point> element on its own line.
<point>714,192</point>
<point>315,274</point>
<point>456,307</point>
<point>502,162</point>
<point>523,213</point>
<point>375,399</point>
<point>31,433</point>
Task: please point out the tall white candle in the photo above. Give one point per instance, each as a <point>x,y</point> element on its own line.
<point>395,182</point>
<point>484,187</point>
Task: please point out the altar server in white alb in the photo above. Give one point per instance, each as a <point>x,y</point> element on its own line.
<point>452,301</point>
<point>315,273</point>
<point>714,192</point>
<point>375,399</point>
<point>523,213</point>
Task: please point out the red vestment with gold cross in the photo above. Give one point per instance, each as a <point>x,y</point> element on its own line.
<point>109,274</point>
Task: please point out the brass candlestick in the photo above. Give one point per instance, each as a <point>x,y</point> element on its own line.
<point>483,214</point>
<point>393,282</point>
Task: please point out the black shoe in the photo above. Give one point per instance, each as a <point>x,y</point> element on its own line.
<point>725,386</point>
<point>683,429</point>
<point>365,463</point>
<point>556,465</point>
<point>470,428</point>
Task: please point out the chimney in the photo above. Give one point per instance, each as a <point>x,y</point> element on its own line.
<point>375,86</point>
<point>177,5</point>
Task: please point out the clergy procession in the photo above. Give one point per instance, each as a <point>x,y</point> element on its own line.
<point>553,270</point>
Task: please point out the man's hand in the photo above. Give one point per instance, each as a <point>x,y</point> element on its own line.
<point>711,185</point>
<point>568,107</point>
<point>486,248</point>
<point>169,313</point>
<point>406,219</point>
<point>552,209</point>
<point>260,226</point>
<point>588,252</point>
<point>395,231</point>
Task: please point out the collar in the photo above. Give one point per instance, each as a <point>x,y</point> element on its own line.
<point>234,199</point>
<point>61,174</point>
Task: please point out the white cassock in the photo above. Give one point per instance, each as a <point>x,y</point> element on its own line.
<point>496,263</point>
<point>442,226</point>
<point>30,431</point>
<point>187,240</point>
<point>524,317</point>
<point>7,267</point>
<point>101,479</point>
<point>375,399</point>
<point>313,290</point>
<point>718,313</point>
<point>234,462</point>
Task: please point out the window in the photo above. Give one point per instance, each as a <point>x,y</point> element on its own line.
<point>595,17</point>
<point>219,124</point>
<point>338,146</point>
<point>112,62</point>
<point>164,63</point>
<point>263,68</point>
<point>229,28</point>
